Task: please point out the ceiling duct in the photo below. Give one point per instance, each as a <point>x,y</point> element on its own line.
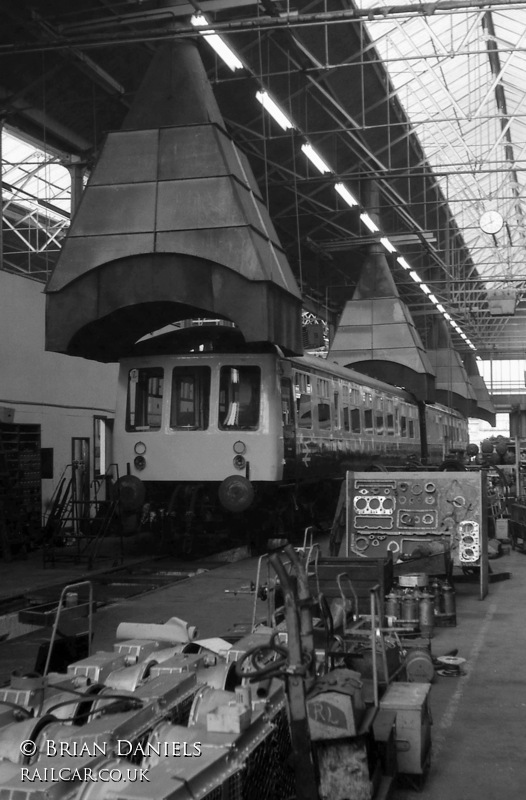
<point>377,336</point>
<point>485,408</point>
<point>170,226</point>
<point>453,386</point>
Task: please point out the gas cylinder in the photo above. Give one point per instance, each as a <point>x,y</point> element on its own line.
<point>426,613</point>
<point>392,608</point>
<point>449,598</point>
<point>409,608</point>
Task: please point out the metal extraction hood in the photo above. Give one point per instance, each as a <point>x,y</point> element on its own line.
<point>485,409</point>
<point>453,387</point>
<point>376,334</point>
<point>171,226</point>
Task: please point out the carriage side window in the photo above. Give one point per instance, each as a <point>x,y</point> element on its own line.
<point>368,420</point>
<point>337,419</point>
<point>324,415</point>
<point>390,425</point>
<point>324,407</point>
<point>403,425</point>
<point>379,416</point>
<point>303,394</point>
<point>239,398</point>
<point>190,398</point>
<point>345,407</point>
<point>356,426</point>
<point>411,429</point>
<point>145,399</point>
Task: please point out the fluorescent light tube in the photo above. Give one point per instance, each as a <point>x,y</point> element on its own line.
<point>216,43</point>
<point>403,263</point>
<point>425,288</point>
<point>345,193</point>
<point>447,316</point>
<point>441,308</point>
<point>315,159</point>
<point>433,299</point>
<point>274,110</point>
<point>387,244</point>
<point>367,221</point>
<point>415,276</point>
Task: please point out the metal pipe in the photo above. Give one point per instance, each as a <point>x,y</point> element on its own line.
<point>304,768</point>
<point>287,21</point>
<point>305,612</point>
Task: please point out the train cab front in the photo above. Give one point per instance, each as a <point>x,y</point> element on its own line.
<point>201,431</point>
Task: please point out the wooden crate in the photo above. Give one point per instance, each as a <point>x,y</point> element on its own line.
<point>365,573</point>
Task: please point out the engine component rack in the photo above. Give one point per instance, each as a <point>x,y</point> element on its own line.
<point>400,513</point>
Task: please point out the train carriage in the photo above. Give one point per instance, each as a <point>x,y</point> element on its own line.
<point>201,413</point>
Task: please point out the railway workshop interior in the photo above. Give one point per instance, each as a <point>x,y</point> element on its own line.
<point>262,400</point>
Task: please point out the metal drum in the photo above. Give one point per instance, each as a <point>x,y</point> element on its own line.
<point>419,666</point>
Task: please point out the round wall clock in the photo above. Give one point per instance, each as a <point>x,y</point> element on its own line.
<point>491,222</point>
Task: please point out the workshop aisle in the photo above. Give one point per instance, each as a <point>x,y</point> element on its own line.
<point>478,750</point>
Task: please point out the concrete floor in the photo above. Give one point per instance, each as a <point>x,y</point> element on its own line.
<point>478,730</point>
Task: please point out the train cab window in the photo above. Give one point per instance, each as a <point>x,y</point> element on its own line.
<point>190,398</point>
<point>368,421</point>
<point>145,398</point>
<point>356,425</point>
<point>239,398</point>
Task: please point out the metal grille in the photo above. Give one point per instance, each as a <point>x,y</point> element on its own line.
<point>216,794</point>
<point>231,789</point>
<point>267,774</point>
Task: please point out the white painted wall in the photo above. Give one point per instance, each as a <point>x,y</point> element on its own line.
<point>61,393</point>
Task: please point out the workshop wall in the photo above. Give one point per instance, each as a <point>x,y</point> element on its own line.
<point>60,393</point>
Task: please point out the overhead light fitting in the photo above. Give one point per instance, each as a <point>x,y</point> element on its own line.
<point>216,43</point>
<point>425,288</point>
<point>274,110</point>
<point>403,263</point>
<point>368,222</point>
<point>315,159</point>
<point>415,276</point>
<point>446,315</point>
<point>441,308</point>
<point>433,299</point>
<point>388,245</point>
<point>345,194</point>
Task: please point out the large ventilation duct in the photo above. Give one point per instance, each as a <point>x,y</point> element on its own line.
<point>485,409</point>
<point>377,336</point>
<point>453,387</point>
<point>171,226</point>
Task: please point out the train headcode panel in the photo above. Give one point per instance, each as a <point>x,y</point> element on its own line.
<point>418,512</point>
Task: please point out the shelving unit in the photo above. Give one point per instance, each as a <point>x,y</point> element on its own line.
<point>20,487</point>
